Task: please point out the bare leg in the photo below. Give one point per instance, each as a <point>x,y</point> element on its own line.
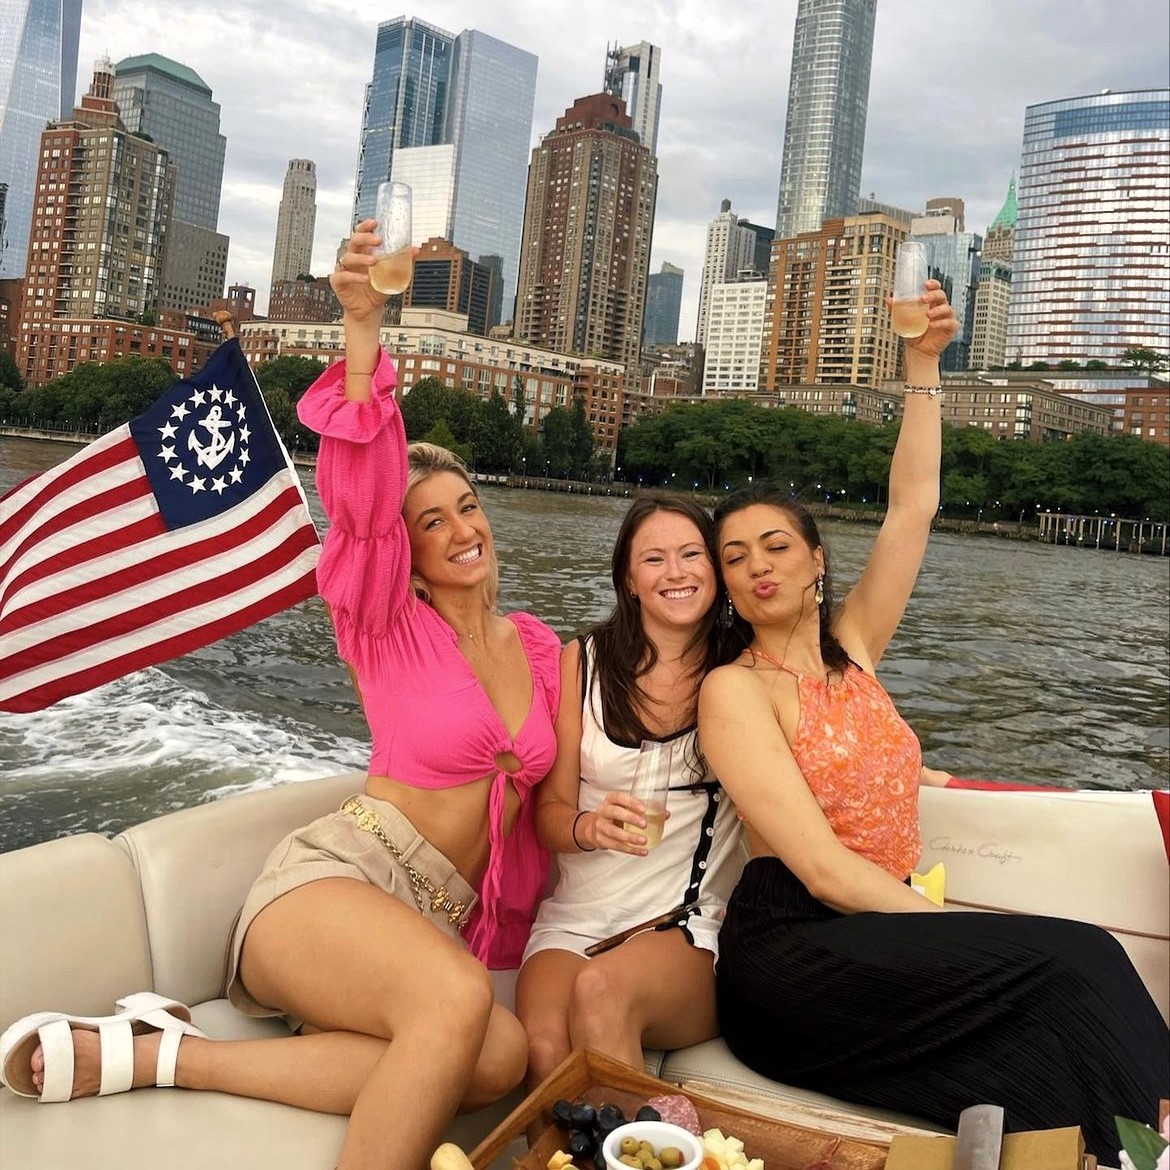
<point>346,1059</point>
<point>544,990</point>
<point>655,990</point>
<point>349,959</point>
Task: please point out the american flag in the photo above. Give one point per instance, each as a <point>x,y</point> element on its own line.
<point>182,526</point>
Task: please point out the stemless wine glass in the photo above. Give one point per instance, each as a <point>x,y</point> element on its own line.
<point>651,785</point>
<point>391,274</point>
<point>908,311</point>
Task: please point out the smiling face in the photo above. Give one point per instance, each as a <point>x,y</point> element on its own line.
<point>450,538</point>
<point>769,569</point>
<point>670,572</point>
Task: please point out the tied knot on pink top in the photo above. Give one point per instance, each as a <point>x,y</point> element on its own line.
<point>431,722</point>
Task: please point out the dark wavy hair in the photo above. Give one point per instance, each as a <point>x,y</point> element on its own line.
<point>622,653</point>
<point>767,492</point>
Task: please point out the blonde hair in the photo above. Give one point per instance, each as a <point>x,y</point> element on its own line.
<point>423,461</point>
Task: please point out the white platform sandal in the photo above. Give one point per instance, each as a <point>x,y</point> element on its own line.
<point>53,1031</point>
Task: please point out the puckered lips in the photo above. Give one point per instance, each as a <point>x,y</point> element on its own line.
<point>764,589</point>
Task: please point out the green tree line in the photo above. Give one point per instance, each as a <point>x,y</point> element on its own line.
<point>489,434</point>
<point>708,446</point>
<point>714,446</point>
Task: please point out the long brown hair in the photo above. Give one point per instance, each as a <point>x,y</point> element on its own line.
<point>766,492</point>
<point>622,653</point>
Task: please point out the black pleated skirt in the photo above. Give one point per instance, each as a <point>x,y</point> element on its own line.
<point>930,1013</point>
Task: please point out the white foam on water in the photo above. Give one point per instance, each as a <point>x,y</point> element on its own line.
<point>149,722</point>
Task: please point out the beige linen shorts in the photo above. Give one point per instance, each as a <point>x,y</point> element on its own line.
<point>352,843</point>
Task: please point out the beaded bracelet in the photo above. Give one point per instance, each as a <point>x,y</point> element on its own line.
<point>573,833</point>
<point>933,391</point>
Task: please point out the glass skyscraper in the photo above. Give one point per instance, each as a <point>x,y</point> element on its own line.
<point>493,91</point>
<point>663,305</point>
<point>828,97</point>
<point>1091,256</point>
<point>631,73</point>
<point>172,104</point>
<point>472,92</point>
<point>406,101</point>
<point>38,82</point>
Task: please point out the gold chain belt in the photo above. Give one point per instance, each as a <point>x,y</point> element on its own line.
<point>436,897</point>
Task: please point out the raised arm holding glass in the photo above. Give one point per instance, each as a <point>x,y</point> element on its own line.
<point>834,974</point>
<point>370,928</point>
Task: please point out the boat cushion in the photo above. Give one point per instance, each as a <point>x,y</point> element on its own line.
<point>1092,856</point>
<point>74,929</point>
<point>197,865</point>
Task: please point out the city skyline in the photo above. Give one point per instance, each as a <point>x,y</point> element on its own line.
<point>946,109</point>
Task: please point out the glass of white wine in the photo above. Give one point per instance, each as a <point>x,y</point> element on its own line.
<point>651,786</point>
<point>395,257</point>
<point>908,312</point>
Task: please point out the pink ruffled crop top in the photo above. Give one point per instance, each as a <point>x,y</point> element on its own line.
<point>431,722</point>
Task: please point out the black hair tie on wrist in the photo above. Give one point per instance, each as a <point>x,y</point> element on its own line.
<point>583,848</point>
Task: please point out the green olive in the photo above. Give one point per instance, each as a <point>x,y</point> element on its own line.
<point>629,1159</point>
<point>670,1157</point>
<point>630,1146</point>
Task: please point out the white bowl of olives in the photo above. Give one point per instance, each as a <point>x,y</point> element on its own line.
<point>652,1145</point>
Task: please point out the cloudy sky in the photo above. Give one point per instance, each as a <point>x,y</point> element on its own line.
<point>950,83</point>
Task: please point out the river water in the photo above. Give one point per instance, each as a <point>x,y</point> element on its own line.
<point>1015,661</point>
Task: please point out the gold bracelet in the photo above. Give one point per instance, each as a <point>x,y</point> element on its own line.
<point>361,373</point>
<point>933,391</point>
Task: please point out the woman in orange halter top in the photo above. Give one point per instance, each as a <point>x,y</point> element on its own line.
<point>833,973</point>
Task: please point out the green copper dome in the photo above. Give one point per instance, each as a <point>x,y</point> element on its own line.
<point>1008,212</point>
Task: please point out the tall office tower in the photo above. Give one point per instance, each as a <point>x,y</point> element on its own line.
<point>825,318</point>
<point>38,83</point>
<point>445,277</point>
<point>993,294</point>
<point>1090,266</point>
<point>631,73</point>
<point>452,116</point>
<point>405,102</point>
<point>730,251</point>
<point>588,221</point>
<point>102,207</point>
<point>735,335</point>
<point>762,249</point>
<point>172,104</point>
<point>953,259</point>
<point>824,131</point>
<point>295,221</point>
<point>663,303</point>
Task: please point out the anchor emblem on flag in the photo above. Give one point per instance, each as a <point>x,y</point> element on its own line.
<point>213,453</point>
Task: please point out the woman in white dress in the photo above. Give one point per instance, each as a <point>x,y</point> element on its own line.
<point>635,677</point>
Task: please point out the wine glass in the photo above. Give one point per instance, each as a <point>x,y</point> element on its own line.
<point>391,274</point>
<point>908,311</point>
<point>651,785</point>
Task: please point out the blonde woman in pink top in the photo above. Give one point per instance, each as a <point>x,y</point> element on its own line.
<point>372,928</point>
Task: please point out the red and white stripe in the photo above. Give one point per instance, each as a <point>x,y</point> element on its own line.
<point>93,586</point>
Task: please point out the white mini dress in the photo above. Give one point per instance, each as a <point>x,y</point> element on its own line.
<point>699,859</point>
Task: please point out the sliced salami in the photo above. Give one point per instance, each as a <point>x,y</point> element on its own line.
<point>678,1110</point>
